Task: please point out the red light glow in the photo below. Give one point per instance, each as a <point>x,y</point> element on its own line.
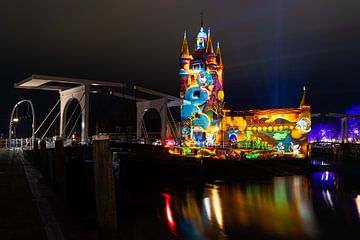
<point>169,142</point>
<point>168,212</point>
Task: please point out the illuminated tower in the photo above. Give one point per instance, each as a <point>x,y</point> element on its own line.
<point>201,88</point>
<point>305,113</point>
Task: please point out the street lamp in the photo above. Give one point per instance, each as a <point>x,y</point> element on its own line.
<point>16,120</point>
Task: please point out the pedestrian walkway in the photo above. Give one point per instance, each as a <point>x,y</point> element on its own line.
<point>19,215</point>
<point>29,209</point>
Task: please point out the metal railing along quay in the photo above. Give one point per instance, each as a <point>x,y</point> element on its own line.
<point>23,143</point>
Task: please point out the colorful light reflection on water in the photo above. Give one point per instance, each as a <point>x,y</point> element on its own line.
<point>281,207</point>
<point>289,207</point>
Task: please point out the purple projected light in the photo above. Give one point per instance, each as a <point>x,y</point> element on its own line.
<point>354,124</point>
<point>324,132</point>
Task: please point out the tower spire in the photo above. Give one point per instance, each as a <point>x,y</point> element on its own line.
<point>209,46</point>
<point>185,47</point>
<point>201,19</point>
<point>218,54</point>
<point>304,101</point>
<point>201,38</point>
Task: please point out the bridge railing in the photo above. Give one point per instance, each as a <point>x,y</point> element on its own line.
<point>3,143</point>
<point>23,143</point>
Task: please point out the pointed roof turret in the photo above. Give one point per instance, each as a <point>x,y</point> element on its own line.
<point>218,55</point>
<point>201,37</point>
<point>304,101</point>
<point>185,48</point>
<point>209,46</point>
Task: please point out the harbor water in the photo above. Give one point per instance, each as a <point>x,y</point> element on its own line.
<point>316,205</point>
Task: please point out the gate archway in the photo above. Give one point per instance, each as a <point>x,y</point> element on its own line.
<point>160,105</point>
<point>81,94</point>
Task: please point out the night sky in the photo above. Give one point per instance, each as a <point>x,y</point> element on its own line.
<point>270,48</point>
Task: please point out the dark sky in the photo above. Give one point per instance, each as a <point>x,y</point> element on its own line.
<point>270,48</point>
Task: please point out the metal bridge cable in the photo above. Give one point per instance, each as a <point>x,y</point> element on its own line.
<point>72,114</point>
<point>173,131</point>
<point>170,122</point>
<point>77,119</point>
<point>50,126</point>
<point>173,127</point>
<point>46,117</point>
<point>145,131</point>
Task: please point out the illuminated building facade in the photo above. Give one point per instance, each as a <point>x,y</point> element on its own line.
<point>206,124</point>
<point>201,88</point>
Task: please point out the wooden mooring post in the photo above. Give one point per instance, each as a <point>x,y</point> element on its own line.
<point>60,171</point>
<point>44,161</point>
<point>104,188</point>
<point>36,155</point>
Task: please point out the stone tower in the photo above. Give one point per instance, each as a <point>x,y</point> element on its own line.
<point>201,88</point>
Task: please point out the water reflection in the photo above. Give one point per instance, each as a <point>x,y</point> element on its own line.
<point>290,207</point>
<point>168,213</point>
<point>357,202</point>
<point>280,207</point>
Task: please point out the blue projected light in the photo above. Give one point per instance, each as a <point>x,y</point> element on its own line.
<point>324,179</point>
<point>196,95</point>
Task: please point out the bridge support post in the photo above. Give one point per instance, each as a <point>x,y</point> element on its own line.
<point>104,188</point>
<point>81,94</point>
<point>344,129</point>
<point>159,105</point>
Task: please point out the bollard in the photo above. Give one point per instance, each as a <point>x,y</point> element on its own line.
<point>60,171</point>
<point>104,188</point>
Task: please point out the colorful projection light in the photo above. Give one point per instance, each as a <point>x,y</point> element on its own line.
<point>206,124</point>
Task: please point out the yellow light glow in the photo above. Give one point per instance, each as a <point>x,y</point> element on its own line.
<point>216,203</point>
<point>357,202</point>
